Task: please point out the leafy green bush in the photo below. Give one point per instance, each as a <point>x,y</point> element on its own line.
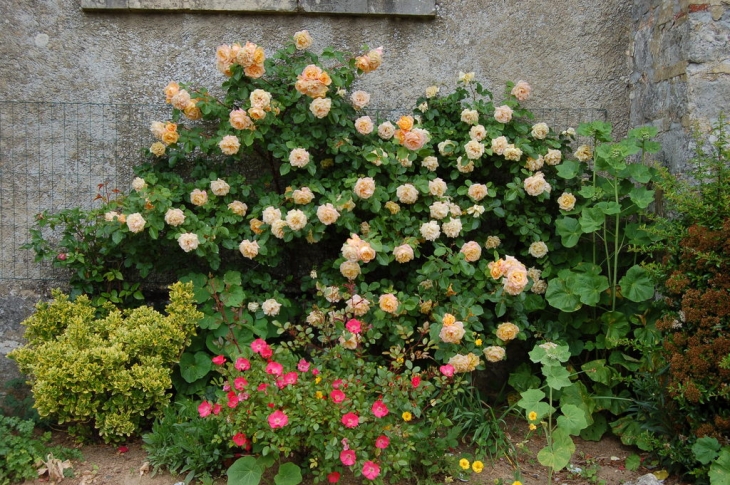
<point>21,450</point>
<point>110,372</point>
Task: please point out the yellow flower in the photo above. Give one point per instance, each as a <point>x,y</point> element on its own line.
<point>532,416</point>
<point>319,395</point>
<point>517,482</point>
<point>464,464</point>
<point>478,342</point>
<point>317,380</point>
<point>532,427</point>
<point>477,466</point>
<point>448,319</point>
<point>407,416</point>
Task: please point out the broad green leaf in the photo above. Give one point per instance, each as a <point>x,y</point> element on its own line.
<point>641,196</point>
<point>523,379</point>
<point>233,296</point>
<point>590,287</point>
<point>573,419</point>
<point>232,278</point>
<point>638,172</point>
<point>630,432</point>
<point>195,366</point>
<point>530,398</point>
<point>569,230</point>
<point>245,471</point>
<point>720,469</point>
<point>616,326</point>
<point>597,371</point>
<point>595,431</point>
<point>549,355</point>
<point>587,192</point>
<point>562,293</point>
<point>609,208</point>
<point>556,376</point>
<point>706,449</point>
<point>633,462</point>
<point>289,474</point>
<point>591,220</point>
<point>636,285</point>
<point>568,169</point>
<point>558,454</point>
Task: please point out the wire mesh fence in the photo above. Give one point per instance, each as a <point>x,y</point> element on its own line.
<point>55,156</point>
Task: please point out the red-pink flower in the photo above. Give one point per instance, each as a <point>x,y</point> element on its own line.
<point>241,440</point>
<point>278,419</point>
<point>370,470</point>
<point>217,409</point>
<point>232,399</point>
<point>258,345</point>
<point>382,442</point>
<point>303,366</point>
<point>347,457</point>
<point>274,368</point>
<point>239,383</point>
<point>350,420</point>
<point>315,371</point>
<point>204,409</point>
<point>337,396</point>
<point>262,386</point>
<point>447,370</point>
<point>353,326</point>
<point>290,378</point>
<point>266,352</point>
<point>380,409</point>
<point>416,381</point>
<point>242,364</point>
<point>337,383</point>
<point>333,477</point>
<point>219,360</point>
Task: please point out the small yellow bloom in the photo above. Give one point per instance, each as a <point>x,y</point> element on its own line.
<point>532,416</point>
<point>517,482</point>
<point>448,319</point>
<point>532,427</point>
<point>477,466</point>
<point>407,416</point>
<point>478,342</point>
<point>464,464</point>
<point>319,395</point>
<point>317,380</point>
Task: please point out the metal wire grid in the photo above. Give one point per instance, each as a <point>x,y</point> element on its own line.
<point>53,156</point>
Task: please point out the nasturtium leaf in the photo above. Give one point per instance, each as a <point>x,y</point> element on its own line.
<point>556,376</point>
<point>562,294</point>
<point>289,474</point>
<point>597,371</point>
<point>195,366</point>
<point>595,431</point>
<point>568,169</point>
<point>245,471</point>
<point>530,398</point>
<point>589,287</point>
<point>636,285</point>
<point>573,419</point>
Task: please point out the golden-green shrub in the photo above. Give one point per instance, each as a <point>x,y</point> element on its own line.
<point>113,371</point>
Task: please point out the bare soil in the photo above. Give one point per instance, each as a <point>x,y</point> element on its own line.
<point>601,462</point>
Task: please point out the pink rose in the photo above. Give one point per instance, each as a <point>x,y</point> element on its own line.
<point>219,360</point>
<point>379,409</point>
<point>337,396</point>
<point>447,370</point>
<point>350,420</point>
<point>370,470</point>
<point>274,368</point>
<point>382,442</point>
<point>353,326</point>
<point>278,419</point>
<point>204,409</point>
<point>347,457</point>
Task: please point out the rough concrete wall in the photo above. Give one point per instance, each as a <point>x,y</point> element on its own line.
<point>681,71</point>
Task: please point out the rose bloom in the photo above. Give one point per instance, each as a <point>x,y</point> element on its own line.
<point>347,457</point>
<point>302,40</point>
<point>477,192</point>
<point>320,107</point>
<point>188,241</point>
<point>540,131</point>
<point>452,228</point>
<point>466,77</point>
<point>171,90</point>
<point>474,149</point>
<point>499,144</point>
<point>503,114</point>
<point>249,249</point>
<point>439,210</point>
<point>349,343</point>
<point>507,331</point>
<point>271,307</point>
<point>475,210</point>
<point>437,187</point>
<point>430,230</point>
<point>492,242</point>
<point>472,251</point>
<point>260,99</point>
<point>296,219</point>
<point>538,249</point>
<point>256,113</point>
<point>403,253</point>
<point>512,153</point>
<point>392,207</point>
<point>359,99</point>
<point>370,470</point>
<point>351,248</point>
<point>539,287</point>
<point>238,208</point>
<point>277,228</point>
<point>271,214</point>
<point>174,217</point>
<point>415,139</point>
<point>313,82</point>
<point>229,145</point>
<point>364,125</point>
<point>470,116</point>
<point>357,305</point>
<point>584,153</point>
<point>553,157</point>
<point>446,147</point>
<point>386,130</point>
<point>430,162</point>
<point>478,133</point>
<point>255,225</point>
<point>566,201</point>
<point>521,90</point>
<point>239,120</point>
<point>536,184</point>
<point>219,187</point>
<point>192,112</point>
<point>366,253</point>
<point>170,136</point>
<point>350,269</point>
<point>299,157</point>
<point>497,269</point>
<point>180,100</point>
<point>432,91</point>
<point>464,363</point>
<point>364,187</point>
<point>388,303</point>
<point>327,214</point>
<point>494,353</point>
<point>277,419</point>
<point>110,216</point>
<point>157,149</point>
<point>452,334</point>
<point>407,194</point>
<point>534,164</point>
<point>468,168</point>
<point>138,184</point>
<point>135,222</point>
<point>515,281</point>
<point>303,196</point>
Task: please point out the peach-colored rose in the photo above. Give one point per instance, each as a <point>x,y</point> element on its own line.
<point>477,192</point>
<point>584,153</point>
<point>534,164</point>
<point>432,91</point>
<point>238,208</point>
<point>366,253</point>
<point>170,137</point>
<point>313,82</point>
<point>515,281</point>
<point>138,184</point>
<point>219,187</point>
<point>472,251</point>
<point>431,163</point>
<point>466,77</point>
<point>351,342</point>
<point>388,303</point>
<point>370,61</point>
<point>249,249</point>
<point>494,353</point>
<point>254,71</point>
<point>320,107</point>
<point>492,242</point>
<point>229,145</point>
<point>327,214</point>
<point>271,307</point>
<point>566,201</point>
<point>437,187</point>
<point>407,194</point>
<point>452,228</point>
<point>439,210</point>
<point>181,99</point>
<point>360,99</point>
<point>473,149</point>
<point>303,196</point>
<point>364,187</point>
<point>476,210</point>
<point>403,253</point>
<point>553,157</point>
<point>521,90</point>
<point>299,157</point>
<point>364,125</point>
<point>452,334</point>
<point>260,99</point>
<point>415,139</point>
<point>470,116</point>
<point>257,113</point>
<point>536,184</point>
<point>496,269</point>
<point>386,130</point>
<point>157,149</point>
<point>503,114</point>
<point>135,222</point>
<point>507,331</point>
<point>110,216</point>
<point>296,220</point>
<point>255,225</point>
<point>171,90</point>
<point>174,217</point>
<point>446,147</point>
<point>357,305</point>
<point>271,214</point>
<point>512,153</point>
<point>499,144</point>
<point>332,294</point>
<point>539,287</point>
<point>351,249</point>
<point>198,197</point>
<point>277,228</point>
<point>538,249</point>
<point>302,40</point>
<point>239,120</point>
<point>430,230</point>
<point>478,133</point>
<point>540,131</point>
<point>350,269</point>
<point>188,241</point>
<point>464,363</point>
<point>192,112</point>
<point>405,123</point>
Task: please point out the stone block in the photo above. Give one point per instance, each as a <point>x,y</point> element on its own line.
<point>419,8</point>
<point>262,6</point>
<point>156,4</point>
<point>104,4</point>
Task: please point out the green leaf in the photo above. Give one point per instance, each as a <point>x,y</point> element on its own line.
<point>641,196</point>
<point>591,220</point>
<point>597,371</point>
<point>616,326</point>
<point>550,356</point>
<point>562,293</point>
<point>720,469</point>
<point>284,168</point>
<point>590,286</point>
<point>609,208</point>
<point>569,230</point>
<point>289,474</point>
<point>573,419</point>
<point>636,285</point>
<point>568,169</point>
<point>530,398</point>
<point>556,376</point>
<point>232,278</point>
<point>523,379</point>
<point>633,462</point>
<point>558,454</point>
<point>595,431</point>
<point>232,297</point>
<point>638,172</point>
<point>195,366</point>
<point>245,471</point>
<point>706,449</point>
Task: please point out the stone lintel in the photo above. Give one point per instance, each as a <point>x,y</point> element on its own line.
<point>668,72</point>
